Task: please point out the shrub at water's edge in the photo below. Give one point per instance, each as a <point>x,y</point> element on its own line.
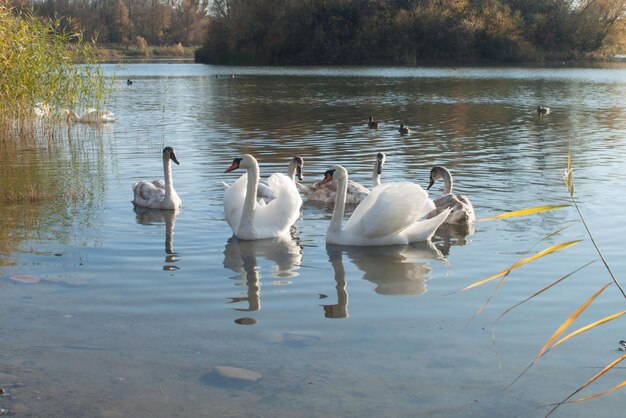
<point>39,74</point>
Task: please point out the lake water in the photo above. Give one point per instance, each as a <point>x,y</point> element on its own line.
<point>115,313</point>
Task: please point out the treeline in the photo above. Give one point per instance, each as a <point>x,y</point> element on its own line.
<point>410,31</point>
<point>159,22</point>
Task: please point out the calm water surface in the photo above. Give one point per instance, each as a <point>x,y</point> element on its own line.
<point>107,311</point>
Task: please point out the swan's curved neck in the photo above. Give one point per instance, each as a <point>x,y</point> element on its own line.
<point>246,226</point>
<point>169,184</point>
<point>375,175</point>
<point>291,173</point>
<point>447,182</point>
<point>340,206</point>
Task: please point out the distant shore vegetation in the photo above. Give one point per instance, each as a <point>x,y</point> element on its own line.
<point>411,32</point>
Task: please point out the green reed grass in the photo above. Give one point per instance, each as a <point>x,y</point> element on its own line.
<point>44,64</point>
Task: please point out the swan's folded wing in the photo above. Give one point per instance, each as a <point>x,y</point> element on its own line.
<point>282,212</point>
<point>148,192</point>
<point>233,202</point>
<point>388,209</point>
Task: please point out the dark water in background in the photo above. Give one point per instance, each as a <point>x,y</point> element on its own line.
<point>117,326</point>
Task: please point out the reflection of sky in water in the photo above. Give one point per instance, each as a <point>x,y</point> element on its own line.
<point>130,319</point>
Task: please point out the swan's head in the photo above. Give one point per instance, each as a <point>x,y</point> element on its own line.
<point>298,162</point>
<point>169,154</point>
<point>380,160</point>
<point>436,173</point>
<point>247,161</point>
<point>336,172</point>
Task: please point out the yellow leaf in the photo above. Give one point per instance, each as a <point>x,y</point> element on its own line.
<point>569,321</point>
<point>588,327</point>
<point>520,263</point>
<point>524,212</point>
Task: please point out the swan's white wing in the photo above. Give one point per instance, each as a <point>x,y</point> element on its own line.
<point>388,209</point>
<point>149,194</point>
<point>423,230</point>
<point>234,197</point>
<point>265,193</point>
<point>277,216</point>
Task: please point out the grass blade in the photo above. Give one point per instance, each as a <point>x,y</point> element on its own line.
<point>524,212</point>
<point>569,321</point>
<point>543,289</point>
<point>590,381</point>
<point>586,398</point>
<point>587,328</point>
<point>520,263</point>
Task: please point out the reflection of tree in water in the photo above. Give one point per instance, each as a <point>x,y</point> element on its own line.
<point>448,235</point>
<point>50,186</point>
<point>242,256</point>
<point>394,269</point>
<point>147,216</point>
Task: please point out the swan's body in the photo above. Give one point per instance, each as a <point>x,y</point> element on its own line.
<point>159,194</point>
<point>404,129</point>
<point>372,124</point>
<point>461,209</point>
<point>91,115</point>
<point>355,192</point>
<point>542,110</point>
<point>387,216</point>
<point>250,219</point>
<point>264,193</point>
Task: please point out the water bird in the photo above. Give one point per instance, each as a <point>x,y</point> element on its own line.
<point>372,124</point>
<point>129,82</point>
<point>389,215</point>
<point>404,130</point>
<point>250,219</point>
<point>355,192</point>
<point>460,207</point>
<point>91,115</point>
<point>159,194</point>
<point>542,110</point>
<point>264,192</point>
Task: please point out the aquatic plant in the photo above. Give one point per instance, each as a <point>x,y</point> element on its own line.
<point>45,66</point>
<point>556,338</point>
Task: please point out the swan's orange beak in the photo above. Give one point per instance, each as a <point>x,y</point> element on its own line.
<point>328,176</point>
<point>234,165</point>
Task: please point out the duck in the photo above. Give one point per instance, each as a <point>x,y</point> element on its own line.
<point>264,192</point>
<point>404,130</point>
<point>460,208</point>
<point>372,124</point>
<point>249,219</point>
<point>542,110</point>
<point>327,192</point>
<point>389,215</point>
<point>159,194</point>
<point>129,82</point>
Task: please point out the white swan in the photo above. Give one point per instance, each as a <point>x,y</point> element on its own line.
<point>91,115</point>
<point>252,220</point>
<point>158,194</point>
<point>355,193</point>
<point>264,194</point>
<point>387,216</point>
<point>461,209</point>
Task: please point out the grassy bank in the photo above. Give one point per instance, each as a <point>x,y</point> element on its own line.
<point>139,50</point>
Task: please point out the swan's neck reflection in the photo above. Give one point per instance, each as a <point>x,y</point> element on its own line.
<point>395,270</point>
<point>241,256</point>
<point>147,216</point>
<point>339,309</point>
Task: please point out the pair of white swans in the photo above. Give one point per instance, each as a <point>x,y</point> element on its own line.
<point>388,215</point>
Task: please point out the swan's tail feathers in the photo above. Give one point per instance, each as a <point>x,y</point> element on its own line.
<point>423,230</point>
<point>225,185</point>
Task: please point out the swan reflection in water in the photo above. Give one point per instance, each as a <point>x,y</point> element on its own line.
<point>241,257</point>
<point>146,216</point>
<point>449,235</point>
<point>394,269</point>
